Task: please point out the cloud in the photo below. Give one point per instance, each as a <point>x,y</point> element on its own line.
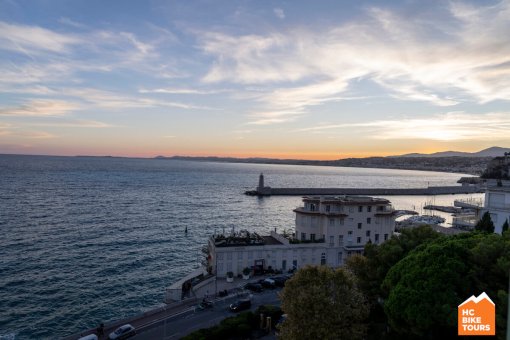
<point>451,126</point>
<point>460,54</point>
<point>38,135</point>
<point>78,123</point>
<point>114,100</point>
<point>33,39</point>
<point>40,108</point>
<point>69,22</point>
<point>279,13</point>
<point>180,91</point>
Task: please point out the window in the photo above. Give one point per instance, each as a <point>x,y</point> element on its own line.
<point>349,232</point>
<point>340,258</point>
<point>368,233</point>
<point>385,237</point>
<point>360,208</point>
<point>331,222</point>
<point>332,240</point>
<point>229,256</point>
<point>328,208</point>
<point>294,264</point>
<point>359,225</point>
<point>351,209</point>
<point>340,239</point>
<point>376,238</point>
<point>312,237</point>
<point>358,240</point>
<point>240,255</point>
<point>323,258</point>
<point>369,220</point>
<point>369,208</point>
<point>303,236</point>
<point>341,221</point>
<point>220,256</point>
<point>284,264</point>
<point>313,207</point>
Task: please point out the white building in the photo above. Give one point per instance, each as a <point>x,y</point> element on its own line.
<point>328,230</point>
<point>497,203</point>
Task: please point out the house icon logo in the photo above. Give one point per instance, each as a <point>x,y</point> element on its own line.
<point>477,316</point>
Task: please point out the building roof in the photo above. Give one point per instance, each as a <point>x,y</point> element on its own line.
<point>347,200</point>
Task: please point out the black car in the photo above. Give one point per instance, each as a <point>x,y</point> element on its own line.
<point>267,283</point>
<point>240,305</point>
<point>279,281</point>
<point>254,287</point>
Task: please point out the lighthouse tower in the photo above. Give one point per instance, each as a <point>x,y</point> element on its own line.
<point>260,188</point>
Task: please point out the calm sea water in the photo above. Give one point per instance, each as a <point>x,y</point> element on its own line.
<point>89,240</point>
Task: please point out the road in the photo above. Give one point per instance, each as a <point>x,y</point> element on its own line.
<point>175,327</point>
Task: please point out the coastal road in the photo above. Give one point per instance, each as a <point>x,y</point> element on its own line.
<point>175,327</point>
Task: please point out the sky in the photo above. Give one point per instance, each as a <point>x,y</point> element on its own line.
<point>322,79</point>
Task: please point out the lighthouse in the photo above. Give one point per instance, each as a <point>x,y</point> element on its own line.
<point>260,188</point>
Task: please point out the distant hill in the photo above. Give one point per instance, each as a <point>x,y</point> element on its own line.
<point>494,151</point>
<point>447,161</point>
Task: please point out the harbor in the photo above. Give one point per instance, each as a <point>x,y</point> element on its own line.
<point>465,188</point>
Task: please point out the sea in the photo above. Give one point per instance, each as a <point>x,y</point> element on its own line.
<point>86,240</point>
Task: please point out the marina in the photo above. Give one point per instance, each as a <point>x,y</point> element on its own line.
<point>466,188</point>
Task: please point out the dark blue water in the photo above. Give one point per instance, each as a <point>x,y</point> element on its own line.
<point>90,240</point>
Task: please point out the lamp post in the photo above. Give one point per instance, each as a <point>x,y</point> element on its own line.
<point>215,273</point>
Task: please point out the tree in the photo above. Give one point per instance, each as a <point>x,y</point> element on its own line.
<point>485,224</point>
<point>323,303</point>
<point>371,268</point>
<point>505,226</point>
<point>425,288</point>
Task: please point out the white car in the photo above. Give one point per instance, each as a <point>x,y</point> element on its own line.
<point>123,332</point>
<point>89,337</point>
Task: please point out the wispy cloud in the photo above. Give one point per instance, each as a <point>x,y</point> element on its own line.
<point>279,13</point>
<point>33,39</point>
<point>180,91</point>
<point>76,123</point>
<point>40,108</point>
<point>69,22</point>
<point>452,126</point>
<point>433,60</point>
<point>117,101</point>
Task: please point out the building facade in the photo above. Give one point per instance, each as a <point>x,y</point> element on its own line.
<point>327,231</point>
<point>497,203</point>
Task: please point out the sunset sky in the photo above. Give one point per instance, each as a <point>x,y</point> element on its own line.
<point>294,79</point>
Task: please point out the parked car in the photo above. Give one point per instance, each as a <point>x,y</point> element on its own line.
<point>123,332</point>
<point>278,324</point>
<point>240,305</point>
<point>267,283</point>
<point>279,280</point>
<point>254,287</point>
<point>89,337</point>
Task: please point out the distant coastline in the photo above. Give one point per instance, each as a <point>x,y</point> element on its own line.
<point>454,164</point>
<point>447,161</point>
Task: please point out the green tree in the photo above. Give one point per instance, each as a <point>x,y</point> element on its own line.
<point>485,224</point>
<point>505,226</point>
<point>371,268</point>
<point>323,303</point>
<point>425,288</point>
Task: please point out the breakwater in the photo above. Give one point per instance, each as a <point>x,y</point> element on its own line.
<point>435,190</point>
